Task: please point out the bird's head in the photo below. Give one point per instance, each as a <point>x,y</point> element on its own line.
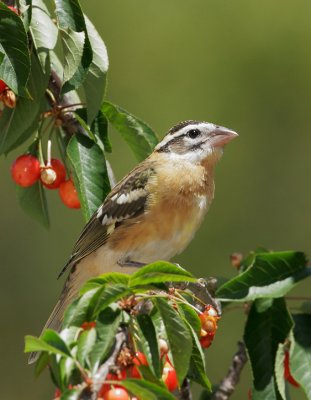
<point>195,141</point>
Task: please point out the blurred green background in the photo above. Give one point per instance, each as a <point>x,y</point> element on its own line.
<point>242,64</point>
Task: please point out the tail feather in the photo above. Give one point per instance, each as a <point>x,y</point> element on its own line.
<point>69,292</point>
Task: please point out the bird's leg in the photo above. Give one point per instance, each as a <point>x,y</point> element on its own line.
<point>125,262</point>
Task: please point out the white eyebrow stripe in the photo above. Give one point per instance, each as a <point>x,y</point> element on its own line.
<point>182,131</point>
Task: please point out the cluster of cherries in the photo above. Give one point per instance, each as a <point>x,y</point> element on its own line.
<point>109,391</point>
<point>26,170</point>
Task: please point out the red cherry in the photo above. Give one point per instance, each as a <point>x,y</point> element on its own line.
<point>287,375</point>
<point>111,377</point>
<point>51,177</point>
<point>117,394</point>
<point>3,86</point>
<point>57,393</point>
<point>25,170</point>
<point>13,9</point>
<point>86,326</point>
<point>208,323</point>
<point>169,376</point>
<point>139,359</point>
<point>206,341</point>
<point>69,195</point>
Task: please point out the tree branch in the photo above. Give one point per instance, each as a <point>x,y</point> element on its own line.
<point>228,384</point>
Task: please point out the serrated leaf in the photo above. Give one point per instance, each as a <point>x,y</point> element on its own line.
<point>149,343</point>
<point>110,294</point>
<point>82,309</point>
<point>197,371</point>
<point>15,66</point>
<point>73,44</point>
<point>19,124</point>
<point>86,343</point>
<point>95,82</point>
<point>107,325</point>
<point>191,316</point>
<point>178,335</point>
<point>138,135</point>
<point>71,394</point>
<point>50,342</point>
<point>25,7</point>
<point>70,17</point>
<point>279,370</point>
<point>147,390</point>
<point>300,354</point>
<point>160,272</point>
<point>90,173</point>
<point>264,331</point>
<point>110,277</point>
<point>270,275</point>
<point>100,129</point>
<point>43,31</point>
<point>33,201</point>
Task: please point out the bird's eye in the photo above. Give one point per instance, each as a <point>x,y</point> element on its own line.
<point>193,133</point>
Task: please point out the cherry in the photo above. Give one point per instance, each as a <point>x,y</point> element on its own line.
<point>111,377</point>
<point>52,176</point>
<point>287,375</point>
<point>206,341</point>
<point>69,195</point>
<point>117,394</point>
<point>163,347</point>
<point>3,86</point>
<point>13,9</point>
<point>25,170</point>
<point>139,359</point>
<point>86,326</point>
<point>169,376</point>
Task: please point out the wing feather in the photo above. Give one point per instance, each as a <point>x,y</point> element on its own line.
<point>127,200</point>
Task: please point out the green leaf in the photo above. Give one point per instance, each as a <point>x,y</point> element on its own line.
<point>43,31</point>
<point>146,390</point>
<point>270,275</point>
<point>86,343</point>
<point>107,325</point>
<point>25,7</point>
<point>100,129</point>
<point>33,201</point>
<point>82,309</point>
<point>15,67</point>
<point>70,18</point>
<point>264,331</point>
<point>73,44</point>
<point>90,173</point>
<point>110,277</point>
<point>84,124</point>
<point>160,272</point>
<point>95,81</point>
<point>197,371</point>
<point>149,343</point>
<point>300,352</point>
<point>191,316</point>
<point>42,363</point>
<point>178,335</point>
<point>71,394</point>
<point>279,370</point>
<point>66,367</point>
<point>138,135</point>
<point>112,293</point>
<point>19,124</point>
<point>50,342</point>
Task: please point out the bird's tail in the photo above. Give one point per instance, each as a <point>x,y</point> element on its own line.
<point>69,293</point>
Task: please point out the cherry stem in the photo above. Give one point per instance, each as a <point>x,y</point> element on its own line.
<point>49,150</point>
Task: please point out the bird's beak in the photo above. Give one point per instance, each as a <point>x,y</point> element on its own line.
<point>221,136</point>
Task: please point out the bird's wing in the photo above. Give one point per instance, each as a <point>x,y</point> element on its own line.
<point>127,200</point>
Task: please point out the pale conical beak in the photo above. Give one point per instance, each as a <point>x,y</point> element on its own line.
<point>221,136</point>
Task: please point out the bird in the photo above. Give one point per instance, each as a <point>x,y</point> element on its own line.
<point>151,214</point>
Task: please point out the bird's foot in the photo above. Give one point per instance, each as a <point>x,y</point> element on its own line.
<point>130,263</point>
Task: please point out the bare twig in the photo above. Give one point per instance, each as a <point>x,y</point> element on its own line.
<point>185,392</point>
<point>228,384</point>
